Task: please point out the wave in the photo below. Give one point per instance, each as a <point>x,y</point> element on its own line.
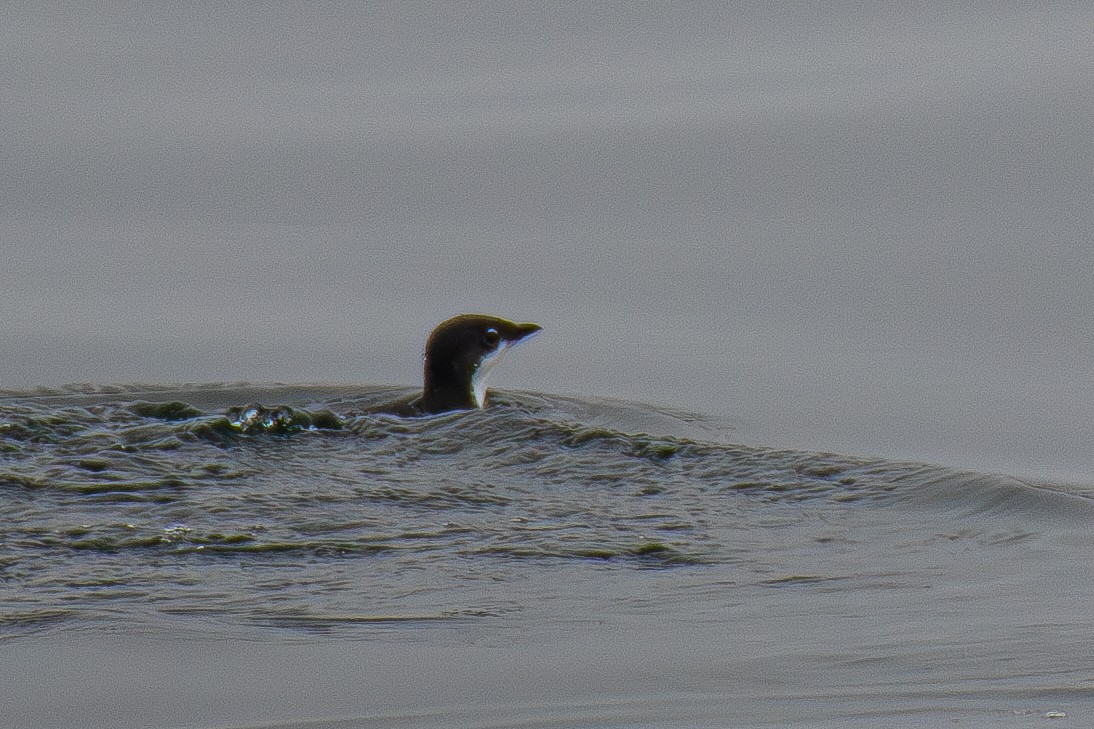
<point>139,441</point>
<point>136,501</point>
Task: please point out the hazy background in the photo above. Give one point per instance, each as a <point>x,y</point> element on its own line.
<point>843,226</point>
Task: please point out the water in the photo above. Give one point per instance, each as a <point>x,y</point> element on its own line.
<point>597,563</point>
<point>862,229</point>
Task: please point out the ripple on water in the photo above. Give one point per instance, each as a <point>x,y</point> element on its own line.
<point>326,515</point>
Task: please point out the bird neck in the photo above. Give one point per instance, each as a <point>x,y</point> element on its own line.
<point>447,387</point>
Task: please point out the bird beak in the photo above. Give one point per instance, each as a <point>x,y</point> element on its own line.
<point>524,331</point>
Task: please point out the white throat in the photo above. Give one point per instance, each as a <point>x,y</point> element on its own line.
<point>478,380</point>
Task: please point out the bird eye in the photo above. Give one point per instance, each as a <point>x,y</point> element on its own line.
<point>490,337</point>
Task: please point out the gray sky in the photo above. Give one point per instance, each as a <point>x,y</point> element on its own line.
<point>850,227</point>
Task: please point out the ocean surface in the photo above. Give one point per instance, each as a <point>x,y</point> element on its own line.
<point>808,438</point>
<point>233,555</point>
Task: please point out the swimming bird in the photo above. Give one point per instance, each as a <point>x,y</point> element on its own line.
<point>458,355</point>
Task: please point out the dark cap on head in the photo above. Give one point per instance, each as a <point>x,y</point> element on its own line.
<point>459,353</point>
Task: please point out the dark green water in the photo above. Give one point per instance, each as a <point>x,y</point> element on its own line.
<point>193,513</point>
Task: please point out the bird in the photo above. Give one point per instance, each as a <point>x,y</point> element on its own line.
<point>459,353</point>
